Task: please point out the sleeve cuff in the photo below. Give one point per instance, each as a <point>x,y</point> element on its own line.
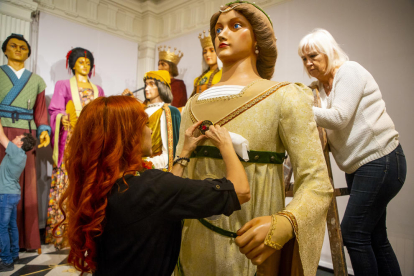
<point>42,128</point>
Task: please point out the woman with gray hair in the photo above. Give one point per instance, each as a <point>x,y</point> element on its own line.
<point>364,143</point>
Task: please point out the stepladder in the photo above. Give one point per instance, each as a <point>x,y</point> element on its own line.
<point>332,219</point>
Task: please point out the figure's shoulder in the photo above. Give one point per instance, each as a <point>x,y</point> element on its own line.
<point>63,83</point>
<point>37,78</point>
<point>174,110</point>
<point>174,80</point>
<point>294,92</point>
<point>295,87</point>
<point>100,89</point>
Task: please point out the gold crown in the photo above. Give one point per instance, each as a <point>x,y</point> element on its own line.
<point>206,40</point>
<point>169,55</point>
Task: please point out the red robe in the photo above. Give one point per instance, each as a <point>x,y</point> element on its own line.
<point>179,92</point>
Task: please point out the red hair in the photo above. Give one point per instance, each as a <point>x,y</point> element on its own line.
<point>105,144</point>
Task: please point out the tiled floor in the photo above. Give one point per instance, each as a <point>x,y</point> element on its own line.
<point>50,263</point>
<point>53,263</point>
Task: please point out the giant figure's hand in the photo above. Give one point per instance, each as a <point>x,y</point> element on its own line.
<point>65,122</point>
<point>127,92</point>
<point>251,239</point>
<point>44,139</point>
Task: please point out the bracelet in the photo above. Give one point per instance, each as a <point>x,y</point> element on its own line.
<point>180,160</point>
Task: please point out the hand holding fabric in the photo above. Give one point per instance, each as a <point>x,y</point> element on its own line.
<point>44,139</point>
<point>219,136</point>
<point>190,141</point>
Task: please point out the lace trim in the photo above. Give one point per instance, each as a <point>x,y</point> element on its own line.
<point>268,241</point>
<point>229,97</point>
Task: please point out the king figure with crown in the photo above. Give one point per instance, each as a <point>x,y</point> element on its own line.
<point>168,60</point>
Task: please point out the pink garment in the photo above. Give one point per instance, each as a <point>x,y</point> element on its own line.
<point>61,97</point>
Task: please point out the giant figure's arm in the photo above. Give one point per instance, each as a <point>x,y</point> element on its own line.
<point>40,118</point>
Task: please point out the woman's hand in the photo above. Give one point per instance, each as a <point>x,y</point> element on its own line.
<point>251,238</point>
<point>190,141</point>
<point>219,136</point>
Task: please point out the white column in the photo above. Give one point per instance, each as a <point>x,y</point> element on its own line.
<point>147,53</point>
<point>93,11</point>
<point>129,23</point>
<point>146,60</point>
<point>15,17</point>
<point>112,10</point>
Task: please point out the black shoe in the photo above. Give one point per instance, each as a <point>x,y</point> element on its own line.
<point>6,267</point>
<point>15,260</point>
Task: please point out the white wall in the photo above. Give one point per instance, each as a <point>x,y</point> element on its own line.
<point>379,35</point>
<point>115,65</point>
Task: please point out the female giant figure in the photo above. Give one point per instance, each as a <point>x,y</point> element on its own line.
<point>68,100</point>
<point>274,118</point>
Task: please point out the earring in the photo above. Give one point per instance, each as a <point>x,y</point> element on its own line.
<point>256,51</point>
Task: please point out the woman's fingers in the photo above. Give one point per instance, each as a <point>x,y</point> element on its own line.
<point>191,129</point>
<point>200,138</point>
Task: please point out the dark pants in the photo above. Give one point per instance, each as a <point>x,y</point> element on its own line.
<point>364,229</point>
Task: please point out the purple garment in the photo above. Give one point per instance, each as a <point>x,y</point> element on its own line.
<point>61,97</point>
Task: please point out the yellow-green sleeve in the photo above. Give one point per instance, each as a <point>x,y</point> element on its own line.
<point>312,187</point>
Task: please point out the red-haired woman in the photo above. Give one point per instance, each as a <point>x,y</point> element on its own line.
<point>121,222</point>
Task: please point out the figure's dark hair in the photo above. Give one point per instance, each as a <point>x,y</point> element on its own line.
<point>16,36</point>
<point>163,90</point>
<point>29,142</point>
<point>263,32</point>
<point>77,53</point>
<point>173,68</point>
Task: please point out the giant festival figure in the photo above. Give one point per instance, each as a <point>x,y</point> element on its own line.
<point>68,100</point>
<point>23,109</point>
<point>275,118</point>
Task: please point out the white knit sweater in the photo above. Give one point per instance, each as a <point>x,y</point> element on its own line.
<point>358,127</point>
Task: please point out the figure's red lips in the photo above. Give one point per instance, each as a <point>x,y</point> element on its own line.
<point>222,45</point>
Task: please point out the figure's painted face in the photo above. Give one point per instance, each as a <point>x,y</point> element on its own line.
<point>315,62</point>
<point>235,38</point>
<point>151,90</point>
<point>17,50</point>
<point>82,66</point>
<point>146,142</point>
<point>163,65</point>
<point>18,141</point>
<point>209,55</point>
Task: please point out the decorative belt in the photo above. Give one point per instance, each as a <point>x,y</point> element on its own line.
<point>217,229</point>
<point>254,156</point>
<point>15,113</point>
